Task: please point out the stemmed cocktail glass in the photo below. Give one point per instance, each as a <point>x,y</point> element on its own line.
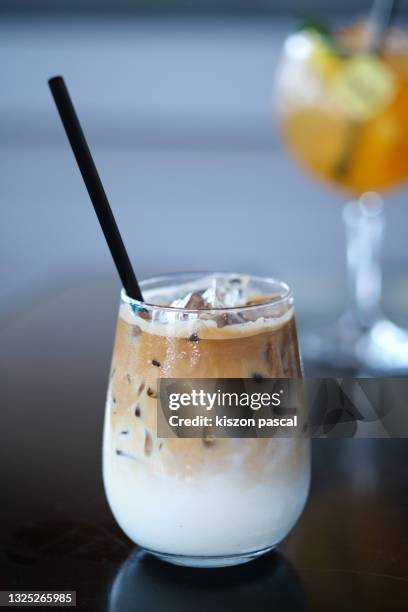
<point>343,109</point>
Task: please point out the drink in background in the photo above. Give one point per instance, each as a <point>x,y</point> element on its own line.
<point>343,102</point>
<point>343,110</point>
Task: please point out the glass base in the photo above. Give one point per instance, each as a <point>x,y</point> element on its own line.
<point>381,349</point>
<point>207,561</point>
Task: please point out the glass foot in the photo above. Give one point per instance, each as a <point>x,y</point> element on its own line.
<point>381,349</point>
<point>207,561</point>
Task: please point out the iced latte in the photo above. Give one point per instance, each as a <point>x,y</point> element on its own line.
<point>203,502</point>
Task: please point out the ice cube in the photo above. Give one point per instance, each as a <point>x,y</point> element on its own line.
<point>181,302</point>
<point>227,291</point>
<point>215,291</point>
<point>191,301</point>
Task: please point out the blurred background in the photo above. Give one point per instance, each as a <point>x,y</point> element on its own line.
<point>176,99</point>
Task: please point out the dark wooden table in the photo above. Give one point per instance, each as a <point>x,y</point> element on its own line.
<point>348,552</point>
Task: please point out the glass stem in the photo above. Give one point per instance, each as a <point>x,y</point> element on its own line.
<point>364,225</point>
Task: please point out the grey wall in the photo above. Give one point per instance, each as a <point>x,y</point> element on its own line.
<point>180,118</point>
<point>195,6</point>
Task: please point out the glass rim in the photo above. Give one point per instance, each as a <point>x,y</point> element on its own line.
<point>142,305</point>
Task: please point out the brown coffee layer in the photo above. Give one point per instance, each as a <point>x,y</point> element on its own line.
<point>141,358</point>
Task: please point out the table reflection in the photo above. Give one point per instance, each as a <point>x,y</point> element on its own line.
<point>145,583</point>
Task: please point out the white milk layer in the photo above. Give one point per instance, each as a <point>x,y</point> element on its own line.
<point>219,514</point>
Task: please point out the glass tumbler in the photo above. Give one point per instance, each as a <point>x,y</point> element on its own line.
<point>201,502</point>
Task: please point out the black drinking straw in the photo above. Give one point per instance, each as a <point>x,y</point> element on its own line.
<point>382,14</point>
<point>94,186</point>
<point>381,17</point>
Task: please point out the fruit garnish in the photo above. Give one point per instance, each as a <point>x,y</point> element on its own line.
<point>365,86</point>
<point>361,83</point>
